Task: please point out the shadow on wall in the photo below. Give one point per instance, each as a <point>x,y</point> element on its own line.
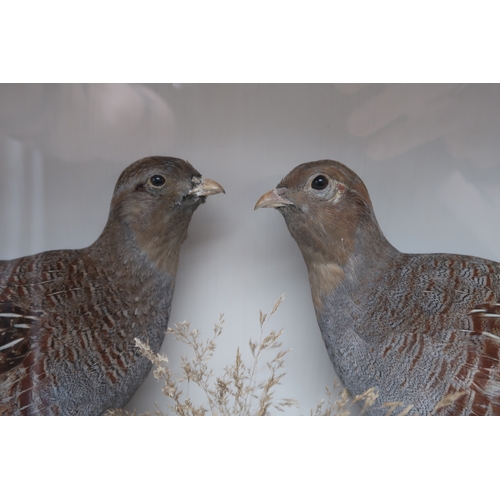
<point>403,116</point>
<point>82,122</point>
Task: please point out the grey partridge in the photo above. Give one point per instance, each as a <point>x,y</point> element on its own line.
<point>68,318</point>
<point>421,329</point>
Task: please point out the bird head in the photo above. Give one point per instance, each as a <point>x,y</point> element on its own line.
<point>323,203</point>
<point>328,212</point>
<point>161,183</point>
<point>154,199</point>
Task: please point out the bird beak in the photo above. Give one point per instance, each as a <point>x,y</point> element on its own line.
<point>273,199</point>
<point>207,187</point>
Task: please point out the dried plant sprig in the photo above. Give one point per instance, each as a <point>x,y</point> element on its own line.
<point>391,406</point>
<point>340,407</point>
<point>238,390</point>
<point>369,397</point>
<point>448,400</point>
<point>405,412</point>
<point>343,406</point>
<point>323,411</point>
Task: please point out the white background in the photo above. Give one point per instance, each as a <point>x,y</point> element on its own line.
<point>428,153</point>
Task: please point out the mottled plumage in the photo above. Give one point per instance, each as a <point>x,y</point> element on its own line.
<point>416,327</point>
<point>68,318</point>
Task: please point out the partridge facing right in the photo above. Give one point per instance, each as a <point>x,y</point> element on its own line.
<point>420,329</point>
<point>69,318</point>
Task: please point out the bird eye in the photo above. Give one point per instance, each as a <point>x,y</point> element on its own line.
<point>319,182</point>
<point>157,180</point>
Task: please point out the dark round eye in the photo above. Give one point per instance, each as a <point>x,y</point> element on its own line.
<point>319,182</point>
<point>157,180</point>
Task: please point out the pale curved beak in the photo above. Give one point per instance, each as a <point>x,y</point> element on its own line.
<point>207,188</point>
<point>273,199</point>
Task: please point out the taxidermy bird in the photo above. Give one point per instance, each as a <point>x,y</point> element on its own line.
<point>68,318</point>
<point>421,329</point>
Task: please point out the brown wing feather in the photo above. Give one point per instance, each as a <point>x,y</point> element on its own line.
<point>485,320</point>
<point>478,379</point>
<point>17,326</point>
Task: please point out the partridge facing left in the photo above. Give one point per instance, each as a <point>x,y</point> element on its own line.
<point>68,318</point>
<point>421,329</point>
